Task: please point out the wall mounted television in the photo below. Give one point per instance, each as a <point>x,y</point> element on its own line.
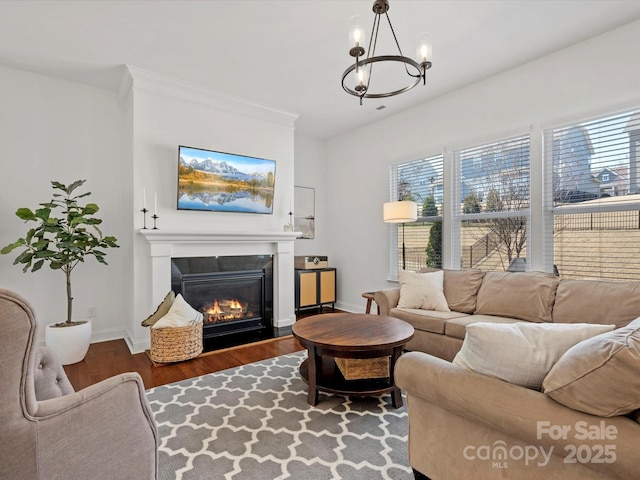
<point>224,182</point>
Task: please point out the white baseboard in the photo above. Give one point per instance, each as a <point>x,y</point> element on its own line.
<point>106,335</point>
<point>137,346</point>
<point>350,307</point>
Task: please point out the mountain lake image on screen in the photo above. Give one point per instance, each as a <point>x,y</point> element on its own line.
<point>224,182</point>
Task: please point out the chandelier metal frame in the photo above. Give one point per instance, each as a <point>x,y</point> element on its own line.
<point>417,71</point>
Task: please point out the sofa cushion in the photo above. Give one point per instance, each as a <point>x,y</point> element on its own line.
<point>520,353</point>
<point>600,375</point>
<point>526,296</point>
<point>592,301</point>
<point>428,320</point>
<point>461,289</point>
<point>422,290</point>
<point>457,327</point>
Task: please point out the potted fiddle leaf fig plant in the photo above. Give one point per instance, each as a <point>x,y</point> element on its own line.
<point>65,233</point>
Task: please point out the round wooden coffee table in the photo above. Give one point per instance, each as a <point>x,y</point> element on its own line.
<point>350,336</point>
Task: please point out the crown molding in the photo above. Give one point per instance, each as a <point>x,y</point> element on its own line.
<point>135,78</point>
<point>125,88</point>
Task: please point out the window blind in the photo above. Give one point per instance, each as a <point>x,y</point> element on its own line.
<point>420,181</point>
<point>492,194</point>
<point>592,195</point>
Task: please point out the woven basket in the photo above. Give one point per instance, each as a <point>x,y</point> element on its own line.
<point>175,344</point>
<point>361,368</point>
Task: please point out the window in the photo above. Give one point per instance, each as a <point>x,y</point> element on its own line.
<point>577,213</point>
<point>422,182</point>
<point>491,203</point>
<point>593,197</point>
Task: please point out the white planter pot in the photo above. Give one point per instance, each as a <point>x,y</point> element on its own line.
<point>69,343</point>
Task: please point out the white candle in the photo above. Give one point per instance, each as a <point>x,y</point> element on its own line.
<point>155,206</point>
<point>144,198</point>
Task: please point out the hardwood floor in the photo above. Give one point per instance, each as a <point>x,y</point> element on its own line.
<point>106,359</point>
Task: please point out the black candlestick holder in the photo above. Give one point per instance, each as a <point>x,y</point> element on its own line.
<point>144,218</point>
<point>291,218</point>
<point>155,217</point>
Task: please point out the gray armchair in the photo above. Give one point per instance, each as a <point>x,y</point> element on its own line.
<point>105,431</point>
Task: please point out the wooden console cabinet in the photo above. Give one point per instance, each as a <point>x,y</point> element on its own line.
<point>315,288</point>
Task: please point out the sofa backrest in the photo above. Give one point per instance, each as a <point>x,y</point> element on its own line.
<point>525,296</point>
<point>461,289</point>
<point>597,301</point>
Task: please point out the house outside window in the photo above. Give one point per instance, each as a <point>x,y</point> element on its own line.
<point>592,198</point>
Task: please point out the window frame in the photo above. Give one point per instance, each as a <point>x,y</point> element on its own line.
<point>552,210</point>
<point>458,216</point>
<point>394,195</point>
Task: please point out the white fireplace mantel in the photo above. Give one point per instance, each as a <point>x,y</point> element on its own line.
<point>186,236</point>
<point>167,244</point>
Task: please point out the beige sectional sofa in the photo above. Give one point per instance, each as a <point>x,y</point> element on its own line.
<point>463,424</point>
<point>502,297</point>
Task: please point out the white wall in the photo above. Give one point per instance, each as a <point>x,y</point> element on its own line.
<point>311,171</point>
<point>168,113</point>
<point>57,130</point>
<point>597,74</point>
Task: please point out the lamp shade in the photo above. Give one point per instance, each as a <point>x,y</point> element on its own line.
<point>400,212</point>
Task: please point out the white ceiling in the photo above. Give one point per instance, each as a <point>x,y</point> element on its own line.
<point>290,54</point>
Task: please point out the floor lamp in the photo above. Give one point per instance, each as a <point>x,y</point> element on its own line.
<point>400,212</point>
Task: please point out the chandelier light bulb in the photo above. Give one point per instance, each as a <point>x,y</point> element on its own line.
<point>361,76</point>
<point>424,50</point>
<point>356,33</point>
<point>358,36</point>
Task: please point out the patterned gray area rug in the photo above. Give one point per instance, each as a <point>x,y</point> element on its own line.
<point>253,423</point>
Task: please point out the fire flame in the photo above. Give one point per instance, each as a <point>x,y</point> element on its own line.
<point>231,309</point>
<point>215,309</point>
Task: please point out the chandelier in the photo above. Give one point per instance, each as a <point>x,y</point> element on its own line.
<point>362,68</point>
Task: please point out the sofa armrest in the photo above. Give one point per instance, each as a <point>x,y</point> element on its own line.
<point>111,423</point>
<point>516,411</point>
<point>387,299</point>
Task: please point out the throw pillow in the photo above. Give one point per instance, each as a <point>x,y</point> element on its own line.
<point>461,289</point>
<point>161,311</point>
<point>422,290</point>
<point>180,314</point>
<point>521,353</point>
<point>600,375</point>
<point>526,296</point>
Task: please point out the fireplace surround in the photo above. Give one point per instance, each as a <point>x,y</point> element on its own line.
<point>164,245</point>
<point>234,294</point>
